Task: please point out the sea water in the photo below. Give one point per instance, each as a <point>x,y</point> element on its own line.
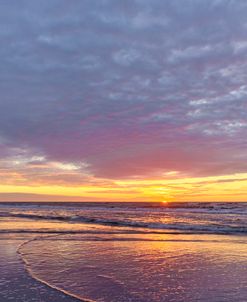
<point>134,252</point>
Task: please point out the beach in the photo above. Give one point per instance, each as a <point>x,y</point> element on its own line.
<point>49,253</point>
<point>15,282</point>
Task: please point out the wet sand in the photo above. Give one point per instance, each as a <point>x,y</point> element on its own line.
<point>142,267</point>
<point>15,283</point>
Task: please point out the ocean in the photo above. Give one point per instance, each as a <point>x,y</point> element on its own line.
<point>124,251</point>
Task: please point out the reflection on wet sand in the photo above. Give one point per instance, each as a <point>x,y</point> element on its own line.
<point>143,267</point>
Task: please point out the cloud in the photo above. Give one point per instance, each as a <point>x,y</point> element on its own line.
<point>27,197</point>
<point>131,88</point>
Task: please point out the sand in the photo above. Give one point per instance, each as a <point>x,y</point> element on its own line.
<point>15,283</point>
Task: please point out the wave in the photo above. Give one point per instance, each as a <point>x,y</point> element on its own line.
<point>28,269</point>
<point>185,228</point>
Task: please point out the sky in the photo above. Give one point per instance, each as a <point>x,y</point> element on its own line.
<point>134,100</point>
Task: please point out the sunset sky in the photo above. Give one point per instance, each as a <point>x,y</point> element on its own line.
<point>123,100</point>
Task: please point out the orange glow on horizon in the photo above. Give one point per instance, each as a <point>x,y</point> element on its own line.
<point>213,188</point>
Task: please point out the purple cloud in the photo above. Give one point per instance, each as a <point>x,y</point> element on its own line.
<point>129,87</point>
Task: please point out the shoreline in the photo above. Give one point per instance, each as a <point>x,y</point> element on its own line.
<point>18,254</point>
<point>18,283</point>
<point>32,275</point>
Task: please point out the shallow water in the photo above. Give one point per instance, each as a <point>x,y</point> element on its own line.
<point>126,253</point>
<point>123,267</point>
<point>15,283</point>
